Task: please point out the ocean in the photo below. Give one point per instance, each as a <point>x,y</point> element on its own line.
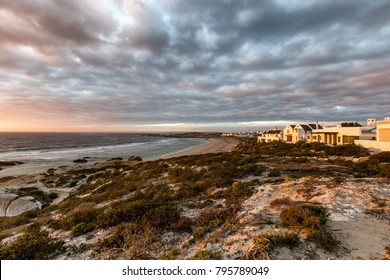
<point>41,151</point>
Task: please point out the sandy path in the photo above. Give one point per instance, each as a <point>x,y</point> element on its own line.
<point>214,145</point>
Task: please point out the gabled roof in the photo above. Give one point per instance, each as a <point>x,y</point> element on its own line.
<point>306,127</point>
<point>314,126</point>
<point>273,131</point>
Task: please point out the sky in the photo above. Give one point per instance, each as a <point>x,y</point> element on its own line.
<point>185,65</point>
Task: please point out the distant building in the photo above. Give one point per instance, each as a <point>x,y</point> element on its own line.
<point>270,136</point>
<point>382,142</point>
<point>344,135</point>
<point>299,132</point>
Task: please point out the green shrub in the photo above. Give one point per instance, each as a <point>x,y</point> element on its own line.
<point>381,157</point>
<point>32,245</point>
<point>162,216</point>
<point>304,216</point>
<point>172,254</point>
<point>22,219</point>
<point>82,228</point>
<point>253,169</point>
<point>236,194</point>
<point>154,214</point>
<point>206,255</point>
<point>84,213</point>
<point>324,239</point>
<point>199,231</point>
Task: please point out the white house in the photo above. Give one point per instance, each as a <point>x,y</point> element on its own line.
<point>344,135</point>
<point>270,135</point>
<point>299,132</point>
<point>382,142</point>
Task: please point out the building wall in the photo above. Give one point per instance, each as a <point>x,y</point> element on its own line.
<point>288,134</point>
<point>377,146</point>
<point>383,131</point>
<point>340,135</point>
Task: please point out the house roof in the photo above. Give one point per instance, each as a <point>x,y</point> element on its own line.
<point>314,126</point>
<point>273,131</point>
<point>306,127</point>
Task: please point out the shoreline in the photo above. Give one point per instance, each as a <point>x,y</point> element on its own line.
<point>214,145</point>
<point>36,166</point>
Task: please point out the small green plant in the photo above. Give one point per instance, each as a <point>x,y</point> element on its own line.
<point>172,254</point>
<point>206,255</point>
<point>82,228</point>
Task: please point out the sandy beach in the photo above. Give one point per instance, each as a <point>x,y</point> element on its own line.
<point>214,145</point>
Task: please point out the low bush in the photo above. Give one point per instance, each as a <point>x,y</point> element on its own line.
<point>206,255</point>
<point>85,213</point>
<point>236,194</point>
<point>34,244</point>
<point>304,216</point>
<point>82,228</point>
<point>172,254</point>
<point>132,239</point>
<point>140,211</point>
<point>22,219</point>
<point>324,239</point>
<point>381,157</point>
<point>263,244</point>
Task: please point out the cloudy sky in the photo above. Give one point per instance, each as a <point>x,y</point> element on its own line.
<point>144,65</point>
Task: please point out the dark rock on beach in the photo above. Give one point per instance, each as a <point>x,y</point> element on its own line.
<point>116,158</point>
<point>134,158</point>
<point>80,160</point>
<point>10,163</point>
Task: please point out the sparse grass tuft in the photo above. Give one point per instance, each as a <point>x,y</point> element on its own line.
<point>263,244</point>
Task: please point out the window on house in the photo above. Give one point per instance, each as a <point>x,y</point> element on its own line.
<point>339,139</point>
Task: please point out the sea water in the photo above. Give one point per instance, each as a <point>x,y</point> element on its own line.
<point>41,151</point>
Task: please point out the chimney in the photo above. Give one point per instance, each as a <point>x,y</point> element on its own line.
<point>317,126</point>
<point>371,122</point>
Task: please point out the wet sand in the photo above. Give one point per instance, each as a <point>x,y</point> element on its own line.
<point>214,145</point>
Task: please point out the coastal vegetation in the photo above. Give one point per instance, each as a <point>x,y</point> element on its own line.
<point>185,207</point>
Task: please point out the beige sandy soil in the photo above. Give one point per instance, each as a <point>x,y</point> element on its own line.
<point>214,145</point>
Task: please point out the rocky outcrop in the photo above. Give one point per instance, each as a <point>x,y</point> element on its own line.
<point>13,205</point>
<point>134,158</point>
<point>5,201</point>
<point>10,163</point>
<point>80,160</point>
<point>21,205</point>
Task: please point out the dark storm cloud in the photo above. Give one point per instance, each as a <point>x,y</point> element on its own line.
<point>122,63</point>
